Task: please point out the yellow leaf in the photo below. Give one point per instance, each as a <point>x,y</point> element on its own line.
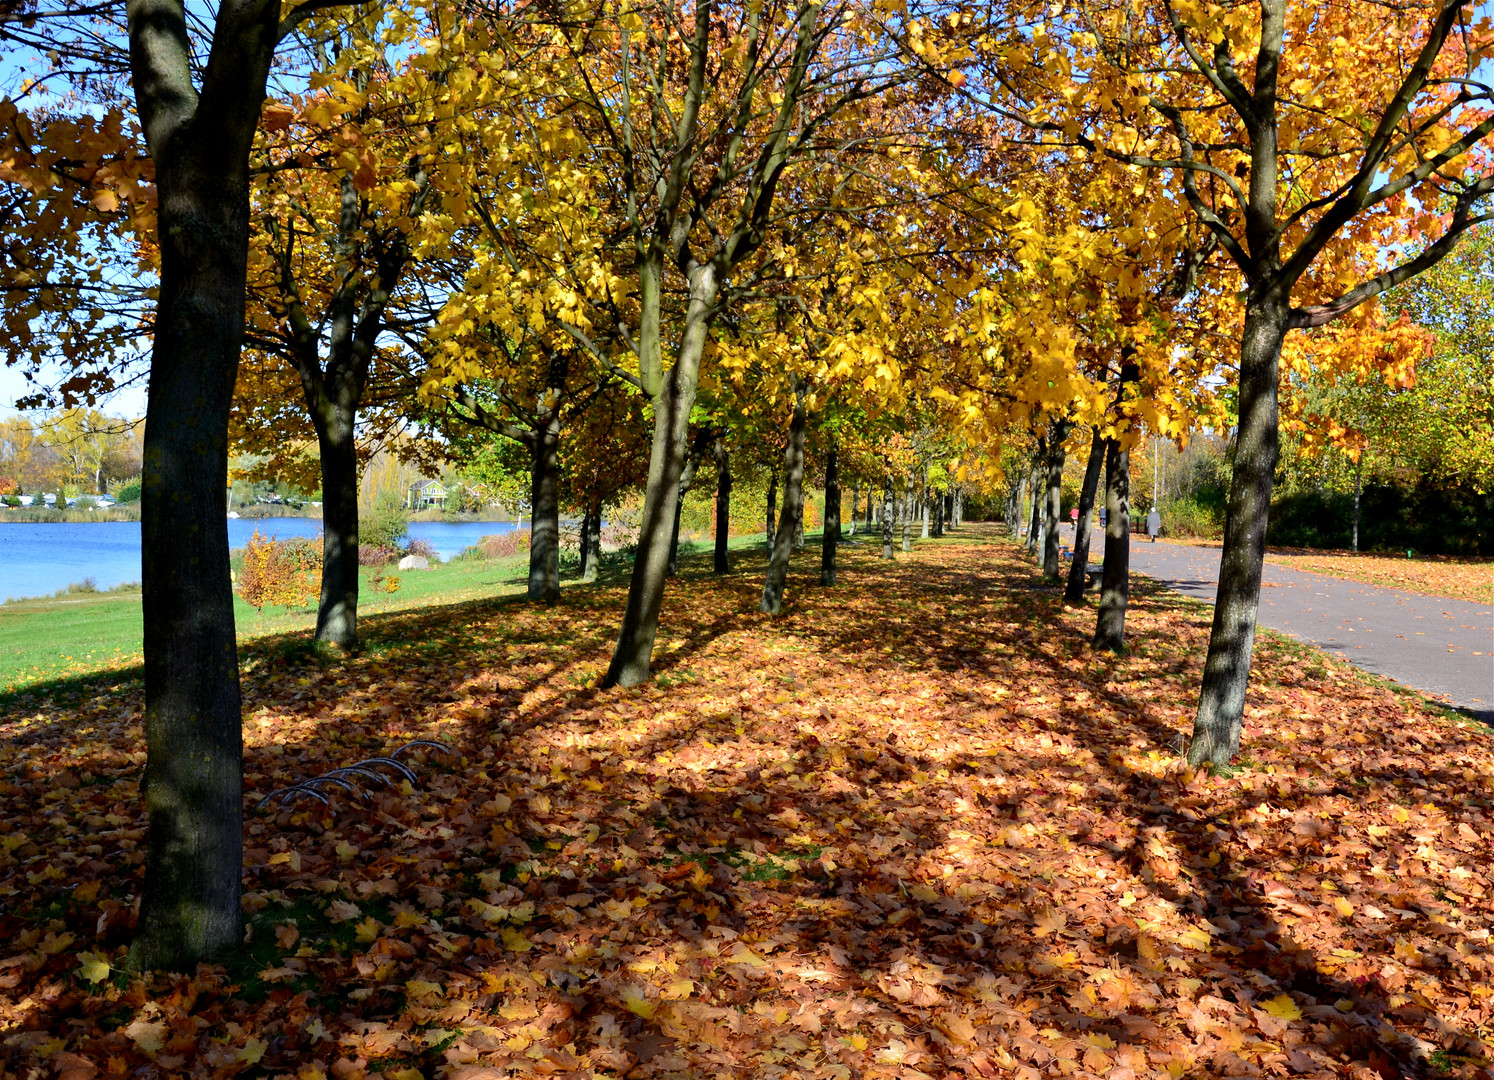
<point>93,967</point>
<point>149,1037</point>
<point>634,1001</point>
<point>1194,938</point>
<point>253,1050</point>
<point>855,1042</point>
<point>516,941</point>
<point>1282,1007</point>
<point>1342,906</point>
<point>679,989</point>
<point>957,1028</point>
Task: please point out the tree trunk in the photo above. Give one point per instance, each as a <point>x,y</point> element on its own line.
<point>1216,729</point>
<point>772,507</point>
<point>793,510</point>
<point>923,507</point>
<point>831,538</point>
<point>908,514</point>
<point>633,656</point>
<point>544,515</point>
<point>855,506</point>
<point>1079,569</point>
<point>1115,580</point>
<point>798,519</point>
<point>887,520</point>
<point>193,783</point>
<point>674,538</point>
<point>590,526</point>
<point>1358,476</point>
<point>1053,502</point>
<point>721,564</point>
<point>1035,521</point>
<point>337,609</point>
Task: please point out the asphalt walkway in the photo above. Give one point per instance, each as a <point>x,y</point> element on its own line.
<point>1442,647</point>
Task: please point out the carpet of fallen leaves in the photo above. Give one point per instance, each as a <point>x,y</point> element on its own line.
<point>913,828</point>
<point>1433,575</point>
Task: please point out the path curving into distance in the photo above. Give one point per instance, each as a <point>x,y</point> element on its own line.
<point>1440,646</point>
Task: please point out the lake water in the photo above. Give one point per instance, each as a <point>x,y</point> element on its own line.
<point>39,559</point>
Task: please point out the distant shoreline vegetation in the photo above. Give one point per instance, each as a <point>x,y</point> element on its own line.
<point>72,515</point>
<point>86,587</point>
<point>46,515</point>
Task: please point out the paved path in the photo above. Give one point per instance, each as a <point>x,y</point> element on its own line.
<point>1442,647</point>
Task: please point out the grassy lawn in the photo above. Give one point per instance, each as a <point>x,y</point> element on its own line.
<point>62,637</point>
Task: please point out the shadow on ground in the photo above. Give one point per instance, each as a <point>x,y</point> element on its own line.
<point>913,827</point>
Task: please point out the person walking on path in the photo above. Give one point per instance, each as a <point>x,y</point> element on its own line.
<point>1153,524</point>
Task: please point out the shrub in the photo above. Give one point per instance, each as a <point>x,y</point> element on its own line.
<point>500,546</point>
<point>424,548</point>
<point>376,555</point>
<point>384,583</point>
<point>283,572</point>
<point>386,524</point>
<point>619,534</point>
<point>1192,517</point>
<point>129,492</point>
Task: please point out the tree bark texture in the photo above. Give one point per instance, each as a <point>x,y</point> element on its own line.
<point>193,784</point>
<point>720,563</point>
<point>591,527</point>
<point>1221,705</point>
<point>337,607</point>
<point>830,540</point>
<point>1115,579</point>
<point>1053,499</point>
<point>1073,593</point>
<point>1358,476</point>
<point>908,511</point>
<point>1035,520</point>
<point>887,552</point>
<point>772,507</point>
<point>793,511</point>
<point>544,513</point>
<point>673,568</point>
<point>633,656</point>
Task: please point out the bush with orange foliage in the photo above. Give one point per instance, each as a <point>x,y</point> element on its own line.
<point>283,572</point>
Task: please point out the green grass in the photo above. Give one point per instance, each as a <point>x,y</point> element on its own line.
<point>75,634</point>
<point>65,636</point>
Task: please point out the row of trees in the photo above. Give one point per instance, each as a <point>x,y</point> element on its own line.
<point>634,241</point>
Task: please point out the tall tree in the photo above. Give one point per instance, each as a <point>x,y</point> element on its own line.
<point>1251,104</point>
<point>199,121</point>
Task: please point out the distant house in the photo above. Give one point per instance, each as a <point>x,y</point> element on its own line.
<point>426,495</point>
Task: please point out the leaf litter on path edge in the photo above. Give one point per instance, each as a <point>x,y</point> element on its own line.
<point>914,827</point>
